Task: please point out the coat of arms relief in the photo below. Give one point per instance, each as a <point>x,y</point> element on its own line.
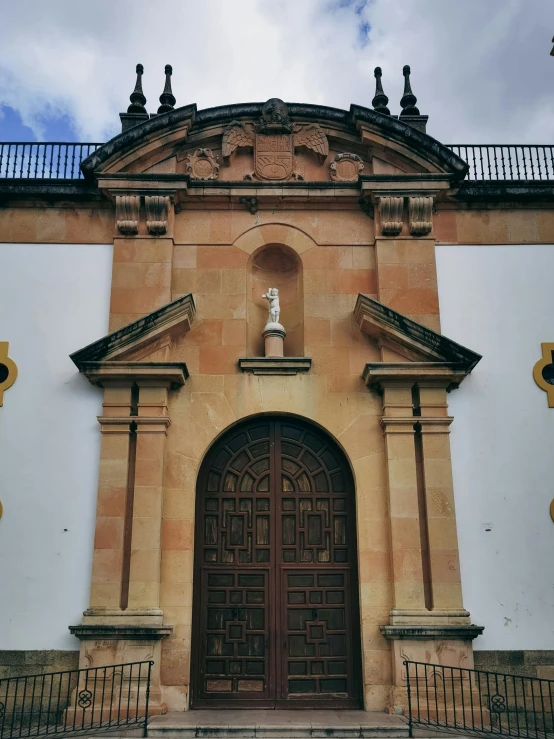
<point>274,139</point>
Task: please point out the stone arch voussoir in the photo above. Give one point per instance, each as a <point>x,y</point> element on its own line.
<point>274,233</point>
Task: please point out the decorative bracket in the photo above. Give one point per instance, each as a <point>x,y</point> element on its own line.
<point>420,211</point>
<point>391,210</point>
<point>157,208</point>
<point>8,370</point>
<point>127,209</point>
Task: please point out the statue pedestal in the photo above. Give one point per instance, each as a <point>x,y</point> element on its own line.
<point>274,337</point>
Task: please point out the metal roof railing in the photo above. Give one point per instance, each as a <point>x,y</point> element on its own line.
<point>61,160</point>
<point>507,161</point>
<point>53,161</point>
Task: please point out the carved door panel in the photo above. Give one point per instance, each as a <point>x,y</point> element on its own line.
<point>275,609</point>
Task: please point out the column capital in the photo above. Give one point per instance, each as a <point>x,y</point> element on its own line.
<point>434,425</point>
<point>398,424</point>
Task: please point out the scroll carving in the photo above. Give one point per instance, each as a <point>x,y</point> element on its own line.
<point>127,209</point>
<point>391,215</point>
<point>346,167</point>
<point>202,165</point>
<point>157,208</point>
<point>420,211</point>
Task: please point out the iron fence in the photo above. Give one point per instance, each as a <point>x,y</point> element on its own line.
<point>478,702</point>
<point>56,160</point>
<point>75,702</point>
<point>61,160</point>
<point>507,161</point>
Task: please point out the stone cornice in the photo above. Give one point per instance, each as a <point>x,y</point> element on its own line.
<point>275,365</point>
<point>404,185</point>
<point>425,632</point>
<point>121,631</point>
<point>377,375</point>
<point>384,323</point>
<point>169,374</point>
<point>172,319</point>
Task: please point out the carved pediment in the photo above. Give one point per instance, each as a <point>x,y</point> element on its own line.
<point>413,351</point>
<point>142,349</point>
<point>274,141</point>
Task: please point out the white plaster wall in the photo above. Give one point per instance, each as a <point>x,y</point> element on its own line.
<point>54,299</point>
<point>499,301</point>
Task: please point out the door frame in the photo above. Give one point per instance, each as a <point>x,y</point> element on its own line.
<point>276,613</point>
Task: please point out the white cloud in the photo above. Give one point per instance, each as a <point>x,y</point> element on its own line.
<point>481,69</point>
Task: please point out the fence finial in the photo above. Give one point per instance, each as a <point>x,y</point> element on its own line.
<point>137,98</point>
<point>380,100</point>
<point>409,100</point>
<point>167,98</point>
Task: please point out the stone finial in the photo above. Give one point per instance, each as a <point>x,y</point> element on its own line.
<point>167,98</point>
<point>138,101</point>
<point>380,100</point>
<point>409,100</point>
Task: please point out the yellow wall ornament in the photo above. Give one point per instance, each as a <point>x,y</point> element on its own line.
<point>543,372</point>
<point>8,370</point>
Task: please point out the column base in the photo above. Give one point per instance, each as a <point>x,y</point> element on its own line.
<point>448,644</point>
<point>112,637</point>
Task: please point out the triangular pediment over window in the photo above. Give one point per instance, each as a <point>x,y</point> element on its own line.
<point>140,350</point>
<point>411,350</point>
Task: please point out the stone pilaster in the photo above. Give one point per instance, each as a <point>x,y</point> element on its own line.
<point>439,495</point>
<point>151,421</point>
<point>398,426</point>
<point>107,566</point>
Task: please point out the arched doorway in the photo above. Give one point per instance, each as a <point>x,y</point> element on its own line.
<point>276,617</point>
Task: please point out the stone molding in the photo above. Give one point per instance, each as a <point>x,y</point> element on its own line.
<point>121,631</point>
<point>420,214</point>
<point>429,631</point>
<point>275,365</point>
<point>168,374</point>
<point>157,209</point>
<point>127,210</point>
<point>391,212</point>
<point>254,238</point>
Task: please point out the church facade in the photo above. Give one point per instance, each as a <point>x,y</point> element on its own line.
<point>272,507</point>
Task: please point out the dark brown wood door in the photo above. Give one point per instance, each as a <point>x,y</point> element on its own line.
<point>275,597</point>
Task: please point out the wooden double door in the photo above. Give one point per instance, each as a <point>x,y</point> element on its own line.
<point>276,621</point>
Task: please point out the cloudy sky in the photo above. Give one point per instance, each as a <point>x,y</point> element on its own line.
<point>481,69</point>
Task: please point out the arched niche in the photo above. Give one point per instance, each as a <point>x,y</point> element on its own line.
<point>275,265</point>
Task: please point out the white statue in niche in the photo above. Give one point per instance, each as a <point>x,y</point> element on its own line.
<point>272,296</point>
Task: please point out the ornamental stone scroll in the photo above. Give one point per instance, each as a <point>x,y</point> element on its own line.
<point>127,210</point>
<point>391,210</point>
<point>420,210</point>
<point>157,208</point>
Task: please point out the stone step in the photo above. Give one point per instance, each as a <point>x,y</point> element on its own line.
<point>268,724</point>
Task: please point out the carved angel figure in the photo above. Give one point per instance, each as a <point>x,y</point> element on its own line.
<point>274,139</point>
<point>274,308</point>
